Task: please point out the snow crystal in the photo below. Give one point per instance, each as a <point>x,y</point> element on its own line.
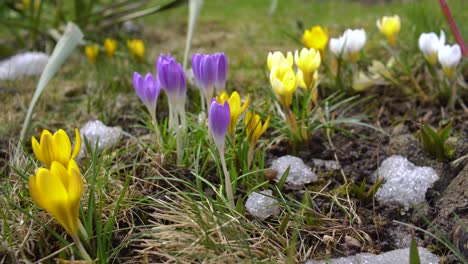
<point>299,173</point>
<point>404,183</point>
<point>391,257</point>
<point>262,205</point>
<point>28,63</point>
<point>95,131</point>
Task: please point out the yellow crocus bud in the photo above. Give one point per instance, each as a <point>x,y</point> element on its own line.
<point>277,57</point>
<point>92,52</point>
<point>254,126</point>
<point>58,190</point>
<point>284,82</point>
<point>307,62</point>
<point>56,147</point>
<point>316,38</point>
<point>109,46</point>
<point>236,108</point>
<point>136,48</point>
<point>390,26</point>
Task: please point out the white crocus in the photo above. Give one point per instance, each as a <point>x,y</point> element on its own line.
<point>429,45</point>
<point>349,44</point>
<point>449,57</point>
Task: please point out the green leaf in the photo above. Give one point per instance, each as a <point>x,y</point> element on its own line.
<point>66,44</point>
<point>414,254</point>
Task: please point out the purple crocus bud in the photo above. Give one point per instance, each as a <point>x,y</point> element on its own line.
<point>171,75</point>
<point>222,68</point>
<point>196,60</point>
<point>218,119</point>
<point>147,89</point>
<point>208,73</point>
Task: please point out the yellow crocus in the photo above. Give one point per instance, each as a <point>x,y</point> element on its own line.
<point>284,82</point>
<point>277,57</point>
<point>58,190</point>
<point>92,52</point>
<point>136,48</point>
<point>307,62</point>
<point>254,126</point>
<point>390,26</point>
<point>109,46</point>
<point>235,106</point>
<point>56,147</point>
<point>316,38</point>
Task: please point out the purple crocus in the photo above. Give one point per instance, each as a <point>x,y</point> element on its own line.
<point>218,118</point>
<point>171,75</point>
<point>222,68</point>
<point>147,89</point>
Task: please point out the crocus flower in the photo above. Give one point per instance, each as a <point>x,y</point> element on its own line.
<point>277,57</point>
<point>56,147</point>
<point>390,26</point>
<point>92,52</point>
<point>349,44</point>
<point>58,190</point>
<point>307,62</point>
<point>429,45</point>
<point>219,117</point>
<point>254,126</point>
<point>218,121</point>
<point>148,90</point>
<point>109,46</point>
<point>172,78</point>
<point>221,70</point>
<point>283,81</point>
<point>316,38</point>
<point>136,48</point>
<point>449,57</point>
<point>236,108</point>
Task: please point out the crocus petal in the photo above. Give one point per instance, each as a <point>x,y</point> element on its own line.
<point>77,147</point>
<point>222,68</point>
<point>61,147</point>
<point>219,117</point>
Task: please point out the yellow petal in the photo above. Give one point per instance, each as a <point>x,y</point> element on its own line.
<point>77,147</point>
<point>37,150</point>
<point>61,147</point>
<point>47,148</point>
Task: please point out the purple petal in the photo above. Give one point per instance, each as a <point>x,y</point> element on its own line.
<point>139,85</point>
<point>151,91</point>
<point>222,67</point>
<point>218,118</point>
<point>208,71</point>
<point>196,67</point>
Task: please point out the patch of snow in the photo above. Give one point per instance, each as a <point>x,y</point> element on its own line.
<point>404,183</point>
<point>261,205</point>
<point>391,257</point>
<point>96,131</point>
<point>299,173</point>
<point>23,64</point>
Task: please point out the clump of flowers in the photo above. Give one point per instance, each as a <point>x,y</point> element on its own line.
<point>209,72</point>
<point>390,26</point>
<point>429,44</point>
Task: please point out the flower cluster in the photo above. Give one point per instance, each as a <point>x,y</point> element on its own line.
<point>349,44</point>
<point>136,48</point>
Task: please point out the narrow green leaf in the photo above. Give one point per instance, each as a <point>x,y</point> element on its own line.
<point>414,254</point>
<point>62,50</point>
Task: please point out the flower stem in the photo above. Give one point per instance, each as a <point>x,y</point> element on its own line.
<point>227,178</point>
<point>81,249</point>
<point>180,144</point>
<point>156,129</point>
<point>250,155</point>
